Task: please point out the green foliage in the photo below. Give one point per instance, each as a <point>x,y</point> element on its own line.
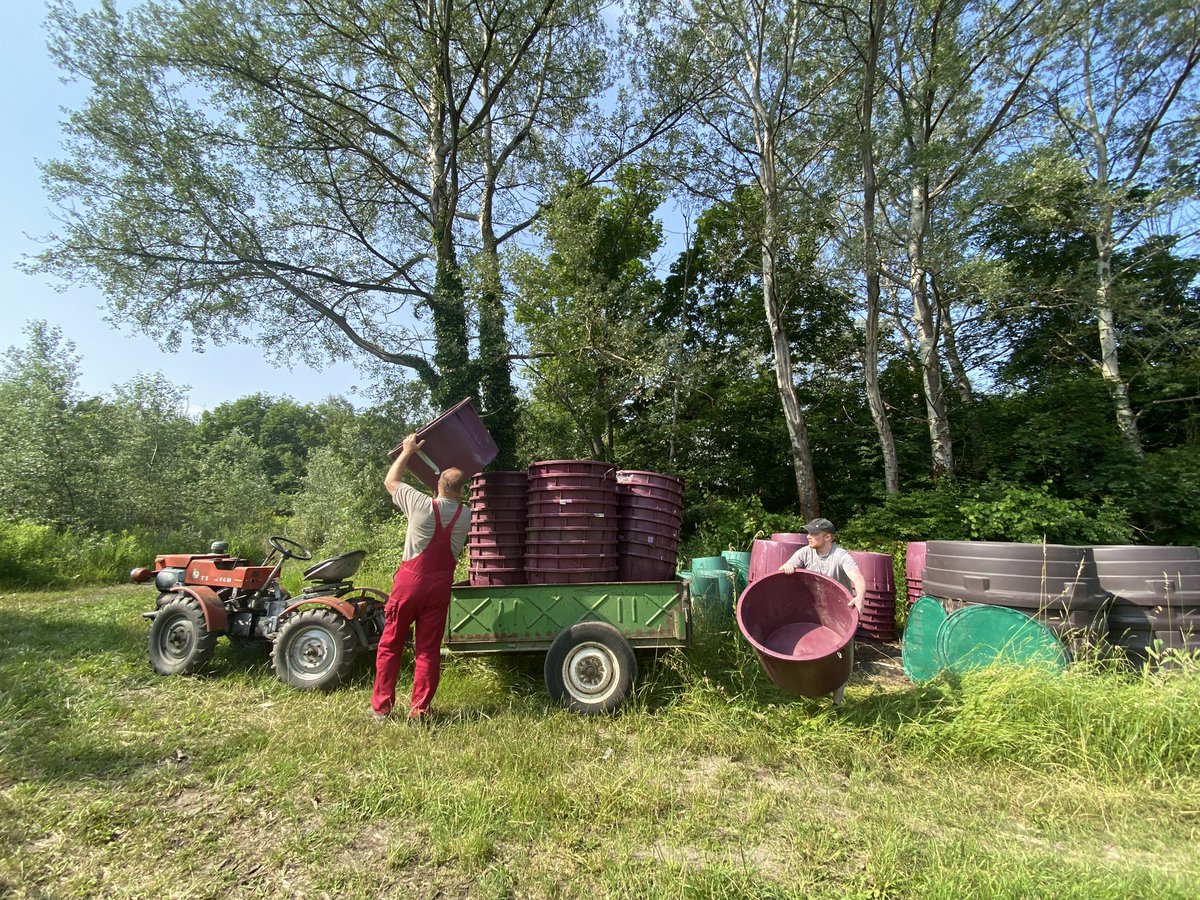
<point>230,492</point>
<point>716,523</point>
<point>43,475</point>
<point>1163,497</point>
<point>992,511</point>
<point>147,456</point>
<point>932,514</point>
<point>43,556</point>
<point>584,306</point>
<point>284,431</point>
<point>31,555</point>
<point>1006,512</point>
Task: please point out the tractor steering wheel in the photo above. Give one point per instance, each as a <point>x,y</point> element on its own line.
<point>289,548</point>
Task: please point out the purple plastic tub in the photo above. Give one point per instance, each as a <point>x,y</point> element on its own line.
<point>767,556</point>
<point>802,627</point>
<point>637,568</point>
<point>914,563</point>
<point>457,438</point>
<point>572,467</point>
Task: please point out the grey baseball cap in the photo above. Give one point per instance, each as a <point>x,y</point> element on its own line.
<point>817,525</point>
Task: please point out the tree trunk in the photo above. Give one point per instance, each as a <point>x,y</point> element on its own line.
<point>806,482</point>
<point>1110,364</point>
<point>958,372</point>
<point>927,334</point>
<point>498,395</point>
<point>866,137</point>
<point>451,352</point>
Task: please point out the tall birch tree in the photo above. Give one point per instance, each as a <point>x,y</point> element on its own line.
<point>956,72</point>
<point>1126,93</point>
<point>765,123</point>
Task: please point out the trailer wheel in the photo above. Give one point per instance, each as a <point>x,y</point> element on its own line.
<point>314,650</point>
<point>590,668</point>
<point>180,642</point>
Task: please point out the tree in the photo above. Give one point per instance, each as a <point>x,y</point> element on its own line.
<point>584,308</point>
<point>302,174</point>
<point>47,459</point>
<point>1044,296</point>
<point>956,72</point>
<point>230,494</point>
<point>770,73</point>
<point>870,52</point>
<point>147,458</point>
<point>1123,91</point>
<point>283,430</point>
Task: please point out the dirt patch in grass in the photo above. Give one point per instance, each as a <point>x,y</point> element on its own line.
<point>879,663</point>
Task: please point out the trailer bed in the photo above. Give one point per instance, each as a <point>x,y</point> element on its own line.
<point>528,617</point>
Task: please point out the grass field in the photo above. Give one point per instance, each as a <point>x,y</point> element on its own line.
<point>115,782</point>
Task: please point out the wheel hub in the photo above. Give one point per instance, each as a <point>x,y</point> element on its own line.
<point>311,651</point>
<point>589,671</point>
<point>177,638</point>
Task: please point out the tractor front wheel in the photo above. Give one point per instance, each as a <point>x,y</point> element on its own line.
<point>180,642</point>
<point>314,650</point>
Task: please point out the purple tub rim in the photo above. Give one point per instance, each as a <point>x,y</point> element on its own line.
<point>804,573</point>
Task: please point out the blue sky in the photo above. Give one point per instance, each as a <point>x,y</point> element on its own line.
<point>31,98</point>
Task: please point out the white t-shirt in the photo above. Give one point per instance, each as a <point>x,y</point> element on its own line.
<point>837,563</point>
<point>418,506</point>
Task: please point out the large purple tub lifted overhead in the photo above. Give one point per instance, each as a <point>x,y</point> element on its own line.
<point>457,438</point>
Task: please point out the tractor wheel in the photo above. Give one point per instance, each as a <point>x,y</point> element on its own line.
<point>314,650</point>
<point>590,668</point>
<point>180,642</point>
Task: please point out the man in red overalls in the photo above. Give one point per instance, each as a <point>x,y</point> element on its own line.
<point>437,531</point>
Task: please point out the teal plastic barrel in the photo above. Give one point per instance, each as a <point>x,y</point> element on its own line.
<point>713,573</point>
<point>739,563</point>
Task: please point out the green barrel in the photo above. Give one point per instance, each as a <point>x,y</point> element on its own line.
<point>739,564</point>
<point>712,583</point>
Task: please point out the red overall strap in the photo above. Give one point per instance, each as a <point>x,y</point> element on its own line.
<point>437,559</point>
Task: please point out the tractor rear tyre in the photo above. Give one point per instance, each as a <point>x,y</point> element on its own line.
<point>180,642</point>
<point>314,650</point>
<point>590,668</point>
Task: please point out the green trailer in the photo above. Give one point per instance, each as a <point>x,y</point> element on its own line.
<point>589,632</point>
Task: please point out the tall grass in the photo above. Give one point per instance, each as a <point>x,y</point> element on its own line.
<point>41,556</point>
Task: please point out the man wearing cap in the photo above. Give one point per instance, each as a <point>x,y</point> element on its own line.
<point>437,531</point>
<point>824,555</point>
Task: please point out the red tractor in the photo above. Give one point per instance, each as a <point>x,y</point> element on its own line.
<point>314,636</point>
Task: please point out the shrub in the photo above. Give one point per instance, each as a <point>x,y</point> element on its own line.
<point>717,524</point>
<point>1007,512</point>
<point>932,514</point>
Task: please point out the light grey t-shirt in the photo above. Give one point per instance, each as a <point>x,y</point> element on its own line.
<point>418,506</point>
<point>837,563</point>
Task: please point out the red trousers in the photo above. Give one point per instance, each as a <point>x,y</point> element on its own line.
<point>423,601</point>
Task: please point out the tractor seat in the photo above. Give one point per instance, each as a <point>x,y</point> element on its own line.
<point>336,568</point>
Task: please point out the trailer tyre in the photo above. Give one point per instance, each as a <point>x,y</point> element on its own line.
<point>590,668</point>
<point>180,642</point>
<point>314,650</point>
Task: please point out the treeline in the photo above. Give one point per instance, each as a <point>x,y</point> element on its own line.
<point>91,485</point>
<point>938,273</point>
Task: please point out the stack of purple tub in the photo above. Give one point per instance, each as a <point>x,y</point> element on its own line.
<point>650,515</point>
<point>496,541</point>
<point>572,522</point>
<point>914,570</point>
<point>878,618</point>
